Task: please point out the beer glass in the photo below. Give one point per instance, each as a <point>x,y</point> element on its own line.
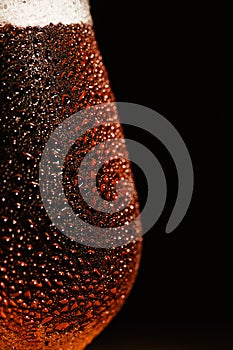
<point>55,293</point>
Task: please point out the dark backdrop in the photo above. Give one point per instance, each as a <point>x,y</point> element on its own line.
<point>171,57</point>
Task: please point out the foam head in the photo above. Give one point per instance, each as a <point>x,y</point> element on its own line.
<point>25,13</point>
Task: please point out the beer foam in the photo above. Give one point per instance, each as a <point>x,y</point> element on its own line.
<point>25,13</point>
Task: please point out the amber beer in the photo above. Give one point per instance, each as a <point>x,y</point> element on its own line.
<point>54,292</point>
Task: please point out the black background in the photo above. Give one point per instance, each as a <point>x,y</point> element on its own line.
<point>171,57</point>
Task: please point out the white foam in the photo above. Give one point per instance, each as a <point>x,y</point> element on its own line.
<point>24,13</point>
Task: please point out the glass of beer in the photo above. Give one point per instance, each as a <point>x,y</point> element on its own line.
<point>55,293</point>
